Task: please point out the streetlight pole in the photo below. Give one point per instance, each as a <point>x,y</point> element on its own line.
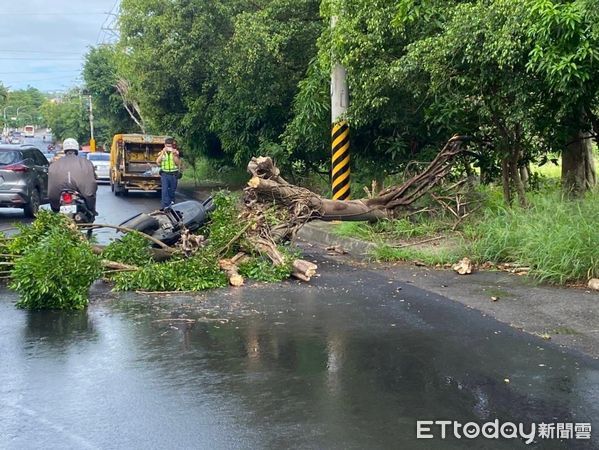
<point>22,106</point>
<point>5,128</point>
<point>92,141</point>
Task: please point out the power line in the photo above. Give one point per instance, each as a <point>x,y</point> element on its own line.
<point>109,33</point>
<point>49,78</point>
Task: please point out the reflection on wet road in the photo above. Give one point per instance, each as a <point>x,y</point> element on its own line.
<point>348,361</point>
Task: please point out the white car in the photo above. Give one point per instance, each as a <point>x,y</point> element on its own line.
<point>101,162</point>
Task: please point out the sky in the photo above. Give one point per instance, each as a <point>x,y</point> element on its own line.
<point>43,42</point>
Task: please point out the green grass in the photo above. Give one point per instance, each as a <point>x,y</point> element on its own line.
<point>430,256</point>
<point>385,230</point>
<point>555,237</point>
<point>209,172</point>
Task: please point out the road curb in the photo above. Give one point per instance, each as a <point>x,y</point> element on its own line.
<point>322,234</point>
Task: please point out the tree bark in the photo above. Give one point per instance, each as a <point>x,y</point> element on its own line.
<point>578,165</point>
<point>505,180</point>
<point>515,173</point>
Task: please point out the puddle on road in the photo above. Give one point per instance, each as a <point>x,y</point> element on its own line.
<point>318,366</point>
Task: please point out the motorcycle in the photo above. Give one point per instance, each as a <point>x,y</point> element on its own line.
<point>73,205</point>
<point>167,225</point>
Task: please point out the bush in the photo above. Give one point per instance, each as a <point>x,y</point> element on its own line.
<point>56,272</point>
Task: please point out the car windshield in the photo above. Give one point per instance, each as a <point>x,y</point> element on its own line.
<point>9,157</point>
<point>98,157</point>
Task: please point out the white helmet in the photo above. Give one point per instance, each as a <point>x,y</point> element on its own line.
<point>70,144</point>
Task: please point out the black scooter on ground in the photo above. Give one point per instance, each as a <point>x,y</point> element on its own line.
<point>167,224</point>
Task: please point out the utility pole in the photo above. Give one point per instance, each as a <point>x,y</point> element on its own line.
<point>340,128</point>
<point>92,141</point>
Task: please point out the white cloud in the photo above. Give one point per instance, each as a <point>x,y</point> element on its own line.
<point>45,41</point>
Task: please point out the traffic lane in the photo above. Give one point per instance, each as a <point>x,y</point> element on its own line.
<point>9,217</point>
<point>112,210</point>
<point>350,360</point>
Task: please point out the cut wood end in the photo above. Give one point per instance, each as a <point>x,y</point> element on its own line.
<point>236,280</point>
<point>254,182</point>
<point>300,276</point>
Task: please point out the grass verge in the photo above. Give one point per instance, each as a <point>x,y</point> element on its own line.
<point>556,237</point>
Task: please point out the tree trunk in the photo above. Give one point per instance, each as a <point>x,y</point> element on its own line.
<point>578,165</point>
<point>505,180</point>
<point>516,155</point>
<point>267,187</point>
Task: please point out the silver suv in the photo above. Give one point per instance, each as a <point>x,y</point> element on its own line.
<point>23,178</point>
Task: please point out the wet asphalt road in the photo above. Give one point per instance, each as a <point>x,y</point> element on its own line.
<point>350,360</point>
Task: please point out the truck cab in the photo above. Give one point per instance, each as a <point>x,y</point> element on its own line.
<point>133,163</point>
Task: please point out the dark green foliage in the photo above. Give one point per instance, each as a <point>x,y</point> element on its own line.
<point>261,269</point>
<point>197,273</point>
<point>224,224</point>
<point>30,235</point>
<point>69,118</point>
<point>99,73</point>
<point>56,271</point>
<point>132,249</point>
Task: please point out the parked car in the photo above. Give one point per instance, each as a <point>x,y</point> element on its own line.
<point>101,162</point>
<point>23,178</point>
<point>49,156</point>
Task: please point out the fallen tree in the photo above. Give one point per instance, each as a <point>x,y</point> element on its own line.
<point>267,186</point>
<point>244,240</point>
<point>300,205</point>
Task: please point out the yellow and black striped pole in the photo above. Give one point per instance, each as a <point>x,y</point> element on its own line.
<point>340,172</point>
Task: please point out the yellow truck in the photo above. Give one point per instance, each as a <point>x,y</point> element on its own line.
<point>133,162</point>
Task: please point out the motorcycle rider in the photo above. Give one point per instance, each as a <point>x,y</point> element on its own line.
<point>72,173</point>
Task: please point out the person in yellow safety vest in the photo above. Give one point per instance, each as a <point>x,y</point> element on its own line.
<point>169,162</point>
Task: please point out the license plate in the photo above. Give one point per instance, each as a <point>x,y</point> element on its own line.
<point>68,209</point>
